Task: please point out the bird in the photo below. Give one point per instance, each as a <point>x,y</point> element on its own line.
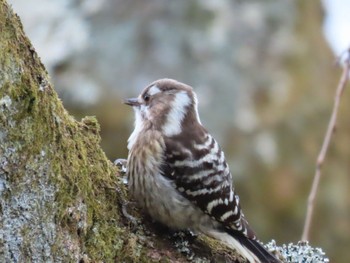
<point>177,172</point>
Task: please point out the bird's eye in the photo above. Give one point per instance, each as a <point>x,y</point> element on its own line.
<point>146,97</point>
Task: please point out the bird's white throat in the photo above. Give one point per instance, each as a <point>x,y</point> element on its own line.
<point>138,128</point>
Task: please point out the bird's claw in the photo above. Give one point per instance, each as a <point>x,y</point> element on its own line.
<point>133,220</point>
<point>121,165</point>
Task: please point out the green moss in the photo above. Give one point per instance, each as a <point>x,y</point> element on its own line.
<point>220,251</point>
<point>84,173</point>
<point>87,200</point>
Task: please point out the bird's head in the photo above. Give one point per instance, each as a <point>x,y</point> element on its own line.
<point>165,105</point>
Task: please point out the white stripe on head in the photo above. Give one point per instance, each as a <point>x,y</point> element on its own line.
<point>196,107</point>
<point>176,114</point>
<point>153,90</point>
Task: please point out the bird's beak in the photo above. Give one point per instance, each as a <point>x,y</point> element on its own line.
<point>132,102</point>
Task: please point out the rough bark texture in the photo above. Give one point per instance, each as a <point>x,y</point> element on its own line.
<point>60,198</point>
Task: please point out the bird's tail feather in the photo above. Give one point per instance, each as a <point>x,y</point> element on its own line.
<point>251,249</point>
<point>258,250</point>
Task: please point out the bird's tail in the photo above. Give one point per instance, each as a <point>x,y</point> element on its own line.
<point>250,249</point>
<point>257,250</point>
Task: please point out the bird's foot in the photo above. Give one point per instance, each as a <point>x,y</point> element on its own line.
<point>131,219</point>
<point>121,165</point>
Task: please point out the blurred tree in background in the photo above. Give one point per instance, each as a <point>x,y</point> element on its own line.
<point>265,79</point>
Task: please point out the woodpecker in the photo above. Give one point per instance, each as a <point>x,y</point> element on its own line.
<point>177,172</point>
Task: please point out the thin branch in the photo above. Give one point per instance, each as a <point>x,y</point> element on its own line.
<point>320,159</point>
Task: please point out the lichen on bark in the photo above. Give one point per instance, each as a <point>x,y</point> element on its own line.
<point>57,189</point>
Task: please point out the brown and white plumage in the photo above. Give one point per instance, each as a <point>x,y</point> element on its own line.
<point>178,174</point>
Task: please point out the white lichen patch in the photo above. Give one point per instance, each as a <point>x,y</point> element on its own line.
<point>44,84</point>
<point>5,101</point>
<point>300,252</point>
<point>42,87</point>
<point>3,135</point>
<point>2,187</point>
<point>78,214</point>
<point>27,217</point>
<point>7,111</point>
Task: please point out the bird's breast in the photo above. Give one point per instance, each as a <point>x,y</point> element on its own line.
<point>144,160</point>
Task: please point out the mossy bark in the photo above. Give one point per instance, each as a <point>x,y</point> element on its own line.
<point>60,197</point>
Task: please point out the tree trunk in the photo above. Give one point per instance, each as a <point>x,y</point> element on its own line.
<point>60,197</point>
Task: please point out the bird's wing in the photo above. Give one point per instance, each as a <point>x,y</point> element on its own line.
<point>201,174</point>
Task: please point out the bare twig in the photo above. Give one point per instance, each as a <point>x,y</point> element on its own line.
<point>320,159</point>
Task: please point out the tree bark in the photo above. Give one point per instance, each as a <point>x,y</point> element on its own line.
<point>60,197</point>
